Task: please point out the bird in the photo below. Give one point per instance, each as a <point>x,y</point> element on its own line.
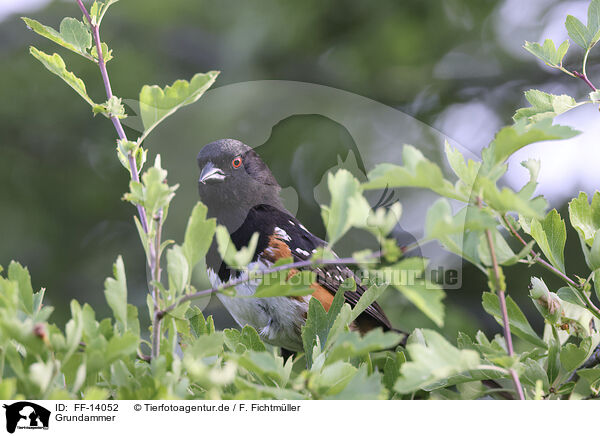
<point>240,192</point>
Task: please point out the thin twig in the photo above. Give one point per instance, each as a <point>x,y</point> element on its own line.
<point>155,271</point>
<point>287,266</point>
<point>502,300</point>
<point>585,79</point>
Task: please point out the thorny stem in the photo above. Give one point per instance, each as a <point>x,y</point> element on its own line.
<point>288,266</point>
<point>579,287</point>
<point>503,310</point>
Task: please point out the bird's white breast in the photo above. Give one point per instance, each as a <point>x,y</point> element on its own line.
<point>278,320</point>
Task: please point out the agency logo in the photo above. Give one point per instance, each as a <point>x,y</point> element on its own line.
<point>26,415</point>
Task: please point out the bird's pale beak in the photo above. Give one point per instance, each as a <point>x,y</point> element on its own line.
<point>211,174</point>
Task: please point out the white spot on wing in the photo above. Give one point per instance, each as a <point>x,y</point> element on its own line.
<point>281,234</point>
<point>303,252</point>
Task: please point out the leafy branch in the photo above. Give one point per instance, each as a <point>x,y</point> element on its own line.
<point>48,361</point>
<point>95,27</point>
<point>254,274</point>
<point>537,258</point>
<point>585,36</point>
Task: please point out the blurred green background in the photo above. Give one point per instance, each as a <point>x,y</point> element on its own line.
<point>456,65</point>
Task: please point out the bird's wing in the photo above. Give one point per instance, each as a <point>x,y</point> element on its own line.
<point>282,235</point>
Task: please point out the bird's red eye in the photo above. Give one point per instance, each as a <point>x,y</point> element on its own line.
<point>236,162</point>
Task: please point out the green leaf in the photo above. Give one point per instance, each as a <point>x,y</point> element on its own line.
<point>593,259</point>
<point>267,367</point>
<point>57,66</point>
<point>548,53</point>
<point>318,324</point>
<point>228,251</point>
<point>98,9</point>
<point>593,24</point>
<point>427,296</point>
<point>440,222</point>
<point>585,36</point>
<point>432,360</point>
<point>315,329</point>
<point>552,362</point>
<point>381,221</point>
<point>585,218</point>
<point>121,346</point>
<point>73,330</point>
<point>157,193</point>
<point>512,138</point>
<point>504,254</point>
<point>285,284</point>
<point>20,274</point>
<point>333,378</point>
<point>363,386</point>
<point>417,171</point>
<point>115,291</point>
<point>207,345</point>
<point>140,158</point>
<point>8,388</point>
<point>95,393</point>
<point>156,103</point>
<point>506,200</point>
<point>198,235</point>
<point>573,356</point>
<point>106,53</point>
<point>517,320</point>
<point>198,324</point>
<point>348,207</point>
<point>153,193</point>
<point>113,107</point>
<point>533,166</point>
<point>73,36</point>
<point>551,236</point>
<point>367,298</point>
<point>591,376</point>
<point>544,105</point>
<point>240,341</point>
<point>466,172</point>
<point>75,33</point>
<point>530,371</point>
<point>178,269</point>
<point>570,296</point>
<point>391,369</point>
<point>578,32</point>
<point>349,344</point>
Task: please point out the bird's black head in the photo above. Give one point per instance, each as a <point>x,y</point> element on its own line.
<point>233,179</point>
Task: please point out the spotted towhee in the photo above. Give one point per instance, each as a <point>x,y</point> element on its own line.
<point>240,191</point>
